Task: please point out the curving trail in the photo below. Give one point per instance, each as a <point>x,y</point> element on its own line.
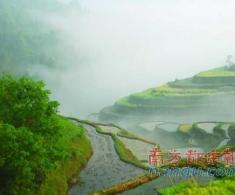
<point>104,168</point>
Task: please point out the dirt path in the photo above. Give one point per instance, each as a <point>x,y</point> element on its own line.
<point>104,168</point>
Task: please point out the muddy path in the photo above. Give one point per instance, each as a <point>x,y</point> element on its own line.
<point>104,168</point>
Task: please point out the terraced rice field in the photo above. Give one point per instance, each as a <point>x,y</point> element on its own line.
<point>170,127</point>
<point>109,129</point>
<point>104,168</point>
<point>138,148</point>
<point>150,126</point>
<point>208,127</point>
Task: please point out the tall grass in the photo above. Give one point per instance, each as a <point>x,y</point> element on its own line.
<point>59,179</point>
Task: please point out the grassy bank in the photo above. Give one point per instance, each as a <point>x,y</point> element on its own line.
<point>129,135</point>
<point>223,186</point>
<point>40,151</point>
<point>124,153</point>
<point>66,172</point>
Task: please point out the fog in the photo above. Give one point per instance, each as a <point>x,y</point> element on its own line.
<point>125,46</point>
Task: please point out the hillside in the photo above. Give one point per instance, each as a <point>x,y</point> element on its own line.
<point>40,151</point>
<point>208,90</point>
<point>26,36</point>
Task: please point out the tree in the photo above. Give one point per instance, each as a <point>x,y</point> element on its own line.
<point>29,135</point>
<point>23,160</point>
<point>25,103</point>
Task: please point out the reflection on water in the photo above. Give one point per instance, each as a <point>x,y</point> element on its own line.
<point>170,127</point>
<point>161,132</point>
<point>167,126</point>
<point>208,127</point>
<point>104,168</point>
<point>150,126</point>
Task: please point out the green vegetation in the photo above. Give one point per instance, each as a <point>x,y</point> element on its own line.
<point>202,91</point>
<point>36,144</point>
<point>200,136</point>
<point>124,153</point>
<point>216,76</point>
<point>217,72</point>
<point>27,40</point>
<point>59,179</point>
<point>125,102</point>
<point>185,128</point>
<point>163,95</point>
<point>223,186</point>
<point>206,140</point>
<point>166,90</point>
<point>219,131</point>
<point>231,134</point>
<point>129,135</point>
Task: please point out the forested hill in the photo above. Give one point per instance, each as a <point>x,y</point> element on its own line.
<point>211,91</point>
<point>26,40</point>
<point>40,151</point>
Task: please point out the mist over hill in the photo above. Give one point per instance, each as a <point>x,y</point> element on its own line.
<point>208,95</point>
<point>91,53</point>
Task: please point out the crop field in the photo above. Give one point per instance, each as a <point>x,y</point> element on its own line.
<point>170,127</point>
<point>208,127</point>
<point>184,128</point>
<point>108,129</point>
<point>138,148</point>
<point>217,72</point>
<point>166,90</point>
<point>150,126</point>
<point>182,94</point>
